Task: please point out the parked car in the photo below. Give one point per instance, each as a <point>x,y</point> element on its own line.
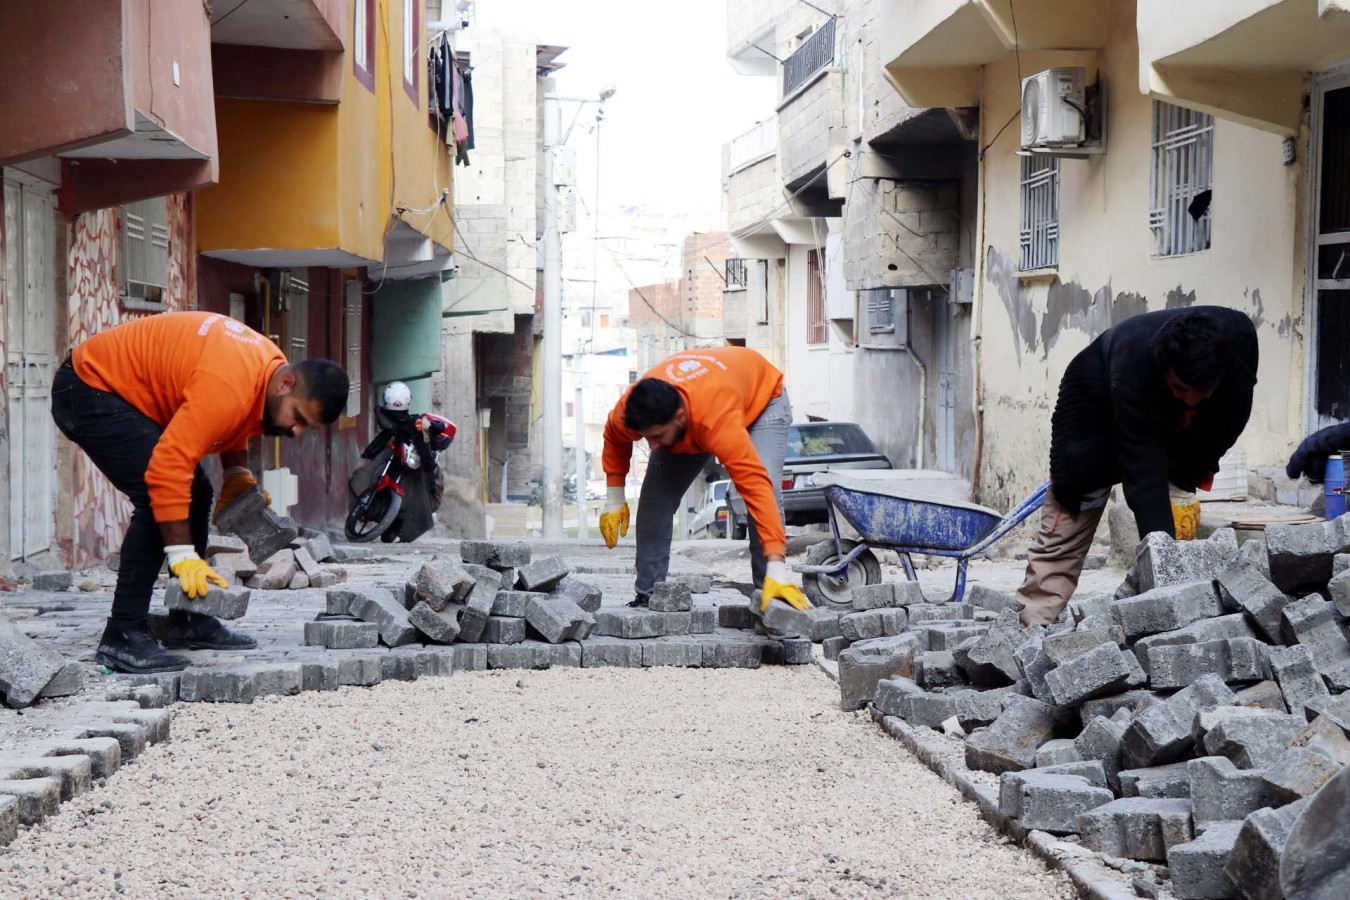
<point>814,447</point>
<point>709,518</point>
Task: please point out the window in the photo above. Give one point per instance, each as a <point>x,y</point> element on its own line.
<point>815,301</point>
<point>1182,180</point>
<point>143,254</point>
<point>352,319</point>
<point>569,410</point>
<point>880,312</point>
<point>411,14</point>
<point>363,42</point>
<point>604,320</point>
<point>883,317</point>
<point>737,278</point>
<point>1039,238</point>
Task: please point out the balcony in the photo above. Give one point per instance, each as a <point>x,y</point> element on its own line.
<point>933,50</point>
<point>751,186</point>
<point>814,55</point>
<point>279,49</point>
<point>1244,60</point>
<point>124,100</point>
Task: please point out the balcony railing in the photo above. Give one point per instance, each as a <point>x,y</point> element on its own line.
<point>756,144</point>
<point>815,53</point>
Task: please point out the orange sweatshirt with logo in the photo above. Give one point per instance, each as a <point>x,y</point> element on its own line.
<point>202,376</point>
<point>724,389</point>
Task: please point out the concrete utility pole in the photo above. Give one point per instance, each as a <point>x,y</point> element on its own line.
<point>583,527</point>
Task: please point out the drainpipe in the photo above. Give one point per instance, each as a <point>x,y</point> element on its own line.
<point>977,314</point>
<point>923,388</point>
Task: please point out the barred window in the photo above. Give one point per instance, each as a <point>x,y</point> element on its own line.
<point>736,274</point>
<point>815,301</point>
<point>1181,180</point>
<point>1039,238</point>
<point>143,253</point>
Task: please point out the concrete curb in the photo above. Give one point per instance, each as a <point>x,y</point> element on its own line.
<point>1091,883</point>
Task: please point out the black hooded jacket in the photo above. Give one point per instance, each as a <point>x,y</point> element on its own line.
<point>1116,422</point>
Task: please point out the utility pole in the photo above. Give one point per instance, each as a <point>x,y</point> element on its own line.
<point>551,343</point>
<point>583,527</point>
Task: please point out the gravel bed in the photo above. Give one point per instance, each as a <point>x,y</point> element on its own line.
<point>564,783</point>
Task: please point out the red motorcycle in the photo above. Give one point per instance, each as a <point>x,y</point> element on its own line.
<point>395,494</point>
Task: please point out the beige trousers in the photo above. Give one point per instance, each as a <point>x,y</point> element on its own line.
<point>1055,560</point>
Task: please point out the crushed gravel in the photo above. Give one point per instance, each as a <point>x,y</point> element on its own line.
<point>563,783</point>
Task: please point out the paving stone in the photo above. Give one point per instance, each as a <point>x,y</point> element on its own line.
<point>1161,561</point>
<point>816,623</point>
<point>217,543</point>
<point>474,616</point>
<point>103,754</point>
<point>919,613</point>
<point>1253,741</point>
<point>441,626</point>
<point>991,658</point>
<point>1035,666</point>
<point>1060,648</point>
<point>441,582</point>
<point>1220,792</point>
<point>1167,608</point>
<point>470,657</point>
<point>860,670</point>
<point>1011,742</point>
<point>379,606</point>
<point>1235,660</point>
<point>702,619</point>
<point>697,584</point>
<point>35,798</point>
<point>223,603</point>
<point>947,636</point>
<point>1325,736</point>
<point>65,683</point>
<point>1311,622</point>
<point>1300,683</point>
<point>544,574</point>
<point>1219,628</point>
<point>600,650</point>
<point>1315,862</point>
<point>1053,803</point>
<point>891,695</point>
<point>637,623</point>
<point>55,580</point>
<point>318,675</point>
<point>788,652</point>
<point>929,710</point>
<point>250,519</point>
<point>886,594</point>
<point>1301,555</point>
<point>670,596</point>
<point>1100,740</point>
<point>241,564</point>
<point>1262,695</point>
<point>733,653</point>
<point>983,597</point>
<point>309,566</point>
<point>237,685</point>
<point>1242,585</point>
<point>558,619</point>
<point>1054,752</point>
<point>1196,867</point>
<point>1209,718</point>
<point>936,669</point>
<point>832,647</point>
<point>1340,563</point>
<point>319,546</point>
<point>872,623</point>
<point>1162,733</point>
<point>1102,670</point>
<point>525,655</point>
<point>26,667</point>
<point>74,773</point>
<point>1172,781</point>
<point>565,655</point>
<point>1254,863</point>
<point>1141,828</point>
<point>298,581</point>
<point>497,554</point>
<point>504,630</point>
<point>513,603</point>
<point>672,652</point>
<point>582,593</point>
<point>360,669</point>
<point>487,579</point>
<point>340,635</point>
<point>735,615</point>
<point>1298,773</point>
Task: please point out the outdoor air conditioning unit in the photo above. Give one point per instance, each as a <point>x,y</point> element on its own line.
<point>1054,109</point>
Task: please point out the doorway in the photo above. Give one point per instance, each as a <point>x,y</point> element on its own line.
<point>1329,263</point>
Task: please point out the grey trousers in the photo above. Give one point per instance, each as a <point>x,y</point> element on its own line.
<point>669,475</point>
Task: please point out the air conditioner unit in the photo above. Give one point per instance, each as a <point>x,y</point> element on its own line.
<point>1054,109</point>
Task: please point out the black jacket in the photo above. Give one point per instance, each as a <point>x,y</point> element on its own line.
<point>1116,422</point>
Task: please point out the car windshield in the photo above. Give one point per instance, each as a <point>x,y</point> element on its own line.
<point>827,439</point>
<point>720,490</point>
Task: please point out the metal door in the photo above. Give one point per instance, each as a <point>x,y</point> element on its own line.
<point>944,334</point>
<point>30,351</point>
<point>1329,262</point>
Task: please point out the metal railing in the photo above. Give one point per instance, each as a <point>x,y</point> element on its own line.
<point>1182,171</point>
<point>756,144</point>
<point>1039,237</point>
<point>815,53</point>
<point>737,278</point>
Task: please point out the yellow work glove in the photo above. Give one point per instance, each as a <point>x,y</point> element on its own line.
<point>777,586</point>
<point>1185,513</point>
<point>237,480</point>
<point>614,520</point>
<point>192,572</point>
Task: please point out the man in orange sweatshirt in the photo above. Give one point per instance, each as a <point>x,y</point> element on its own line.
<point>147,401</point>
<point>726,402</point>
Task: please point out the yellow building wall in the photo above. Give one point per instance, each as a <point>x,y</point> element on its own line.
<point>422,163</point>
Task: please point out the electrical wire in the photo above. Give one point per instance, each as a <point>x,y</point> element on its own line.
<point>468,252</point>
<point>1017,52</point>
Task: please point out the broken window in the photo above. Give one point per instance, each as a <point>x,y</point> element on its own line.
<point>1182,179</point>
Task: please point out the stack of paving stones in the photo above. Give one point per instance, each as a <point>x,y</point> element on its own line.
<point>265,551</point>
<point>1193,721</point>
<point>499,608</point>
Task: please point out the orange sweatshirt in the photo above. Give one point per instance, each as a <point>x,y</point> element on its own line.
<point>201,376</point>
<point>724,390</point>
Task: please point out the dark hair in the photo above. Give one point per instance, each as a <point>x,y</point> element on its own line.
<point>651,404</point>
<point>325,381</point>
<point>1194,345</point>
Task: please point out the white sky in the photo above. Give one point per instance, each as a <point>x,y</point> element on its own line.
<point>677,99</point>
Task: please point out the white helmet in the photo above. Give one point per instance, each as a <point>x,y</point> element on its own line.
<point>397,396</point>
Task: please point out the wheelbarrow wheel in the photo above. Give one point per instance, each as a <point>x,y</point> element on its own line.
<point>832,591</point>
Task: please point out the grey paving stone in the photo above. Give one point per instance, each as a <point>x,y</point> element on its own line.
<point>309,567</point>
<point>1053,803</point>
<point>525,655</point>
<point>1139,828</point>
<point>735,615</point>
<point>1300,683</point>
<point>497,554</point>
<point>65,683</point>
<point>54,580</point>
<point>504,630</point>
<point>379,606</point>
<point>544,574</point>
<point>936,669</point>
<point>487,580</point>
<point>832,647</point>
<point>816,623</point>
<point>1254,862</point>
<point>1219,628</point>
<point>1197,867</point>
<point>1243,585</point>
<point>441,627</point>
<point>1301,555</point>
<point>1056,751</point>
<point>991,658</point>
<point>1011,742</point>
<point>250,519</point>
<point>860,670</point>
<point>872,623</point>
<point>1235,660</point>
<point>474,616</point>
<point>1311,622</point>
<point>601,650</point>
<point>223,543</point>
<point>582,593</point>
<point>1133,701</point>
<point>636,623</point>
<point>979,709</point>
<point>319,546</point>
<point>983,597</point>
<point>1166,608</point>
<point>25,666</point>
<point>441,582</point>
<point>1263,695</point>
<point>74,773</point>
<point>360,669</point>
<point>1100,740</point>
<point>1102,670</point>
<point>1299,772</point>
<point>1172,781</point>
<point>1338,589</point>
<point>1220,792</point>
<point>947,636</point>
<point>1060,648</point>
<point>555,619</point>
<point>787,652</point>
<point>891,695</point>
<point>919,613</point>
<point>1315,862</point>
<point>1161,561</point>
<point>698,584</point>
<point>1162,733</point>
<point>35,798</point>
<point>1254,742</point>
<point>733,652</point>
<point>886,594</point>
<point>336,634</point>
<point>672,652</point>
<point>670,596</point>
<point>702,619</point>
<point>470,657</point>
<point>104,753</point>
<point>318,675</point>
<point>237,685</point>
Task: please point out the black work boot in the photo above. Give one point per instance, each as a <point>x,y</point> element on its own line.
<point>128,646</point>
<point>639,601</point>
<point>183,630</point>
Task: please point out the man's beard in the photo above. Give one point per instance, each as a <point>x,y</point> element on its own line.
<point>271,406</point>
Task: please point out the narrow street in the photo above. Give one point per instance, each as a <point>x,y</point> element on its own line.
<point>629,783</point>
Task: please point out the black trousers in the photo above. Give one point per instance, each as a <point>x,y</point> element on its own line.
<point>118,438</point>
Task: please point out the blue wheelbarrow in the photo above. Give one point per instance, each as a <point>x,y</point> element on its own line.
<point>908,512</point>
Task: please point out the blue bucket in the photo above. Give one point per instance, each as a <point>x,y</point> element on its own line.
<point>1334,485</point>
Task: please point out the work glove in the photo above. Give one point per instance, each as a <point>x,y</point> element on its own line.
<point>192,572</point>
<point>777,586</point>
<point>1311,456</point>
<point>1185,513</point>
<point>614,520</point>
<point>237,480</point>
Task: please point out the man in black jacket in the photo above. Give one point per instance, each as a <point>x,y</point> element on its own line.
<point>1151,404</point>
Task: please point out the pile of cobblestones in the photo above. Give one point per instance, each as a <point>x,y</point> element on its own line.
<point>1196,720</point>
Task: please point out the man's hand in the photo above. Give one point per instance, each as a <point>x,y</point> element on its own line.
<point>1185,513</point>
<point>614,520</point>
<point>192,572</point>
<point>1311,456</point>
<point>777,586</point>
<point>237,480</point>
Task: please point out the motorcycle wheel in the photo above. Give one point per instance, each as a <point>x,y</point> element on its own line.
<point>371,514</point>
